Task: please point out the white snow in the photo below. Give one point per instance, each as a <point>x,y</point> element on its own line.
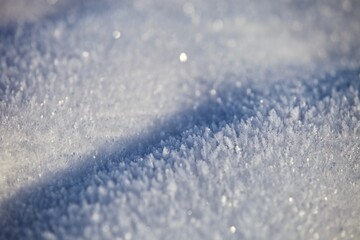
<point>179,120</point>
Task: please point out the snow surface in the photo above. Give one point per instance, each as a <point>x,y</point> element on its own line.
<point>179,120</point>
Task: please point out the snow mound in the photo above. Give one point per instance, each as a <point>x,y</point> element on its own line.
<point>174,120</point>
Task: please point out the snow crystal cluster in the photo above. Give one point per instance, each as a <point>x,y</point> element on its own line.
<point>179,119</point>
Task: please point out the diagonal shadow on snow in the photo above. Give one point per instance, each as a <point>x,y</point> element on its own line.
<point>41,207</point>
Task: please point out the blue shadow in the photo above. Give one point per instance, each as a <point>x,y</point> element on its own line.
<point>40,207</point>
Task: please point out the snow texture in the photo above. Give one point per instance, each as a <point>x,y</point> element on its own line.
<point>179,119</point>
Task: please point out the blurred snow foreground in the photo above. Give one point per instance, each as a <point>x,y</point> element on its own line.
<point>179,120</point>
